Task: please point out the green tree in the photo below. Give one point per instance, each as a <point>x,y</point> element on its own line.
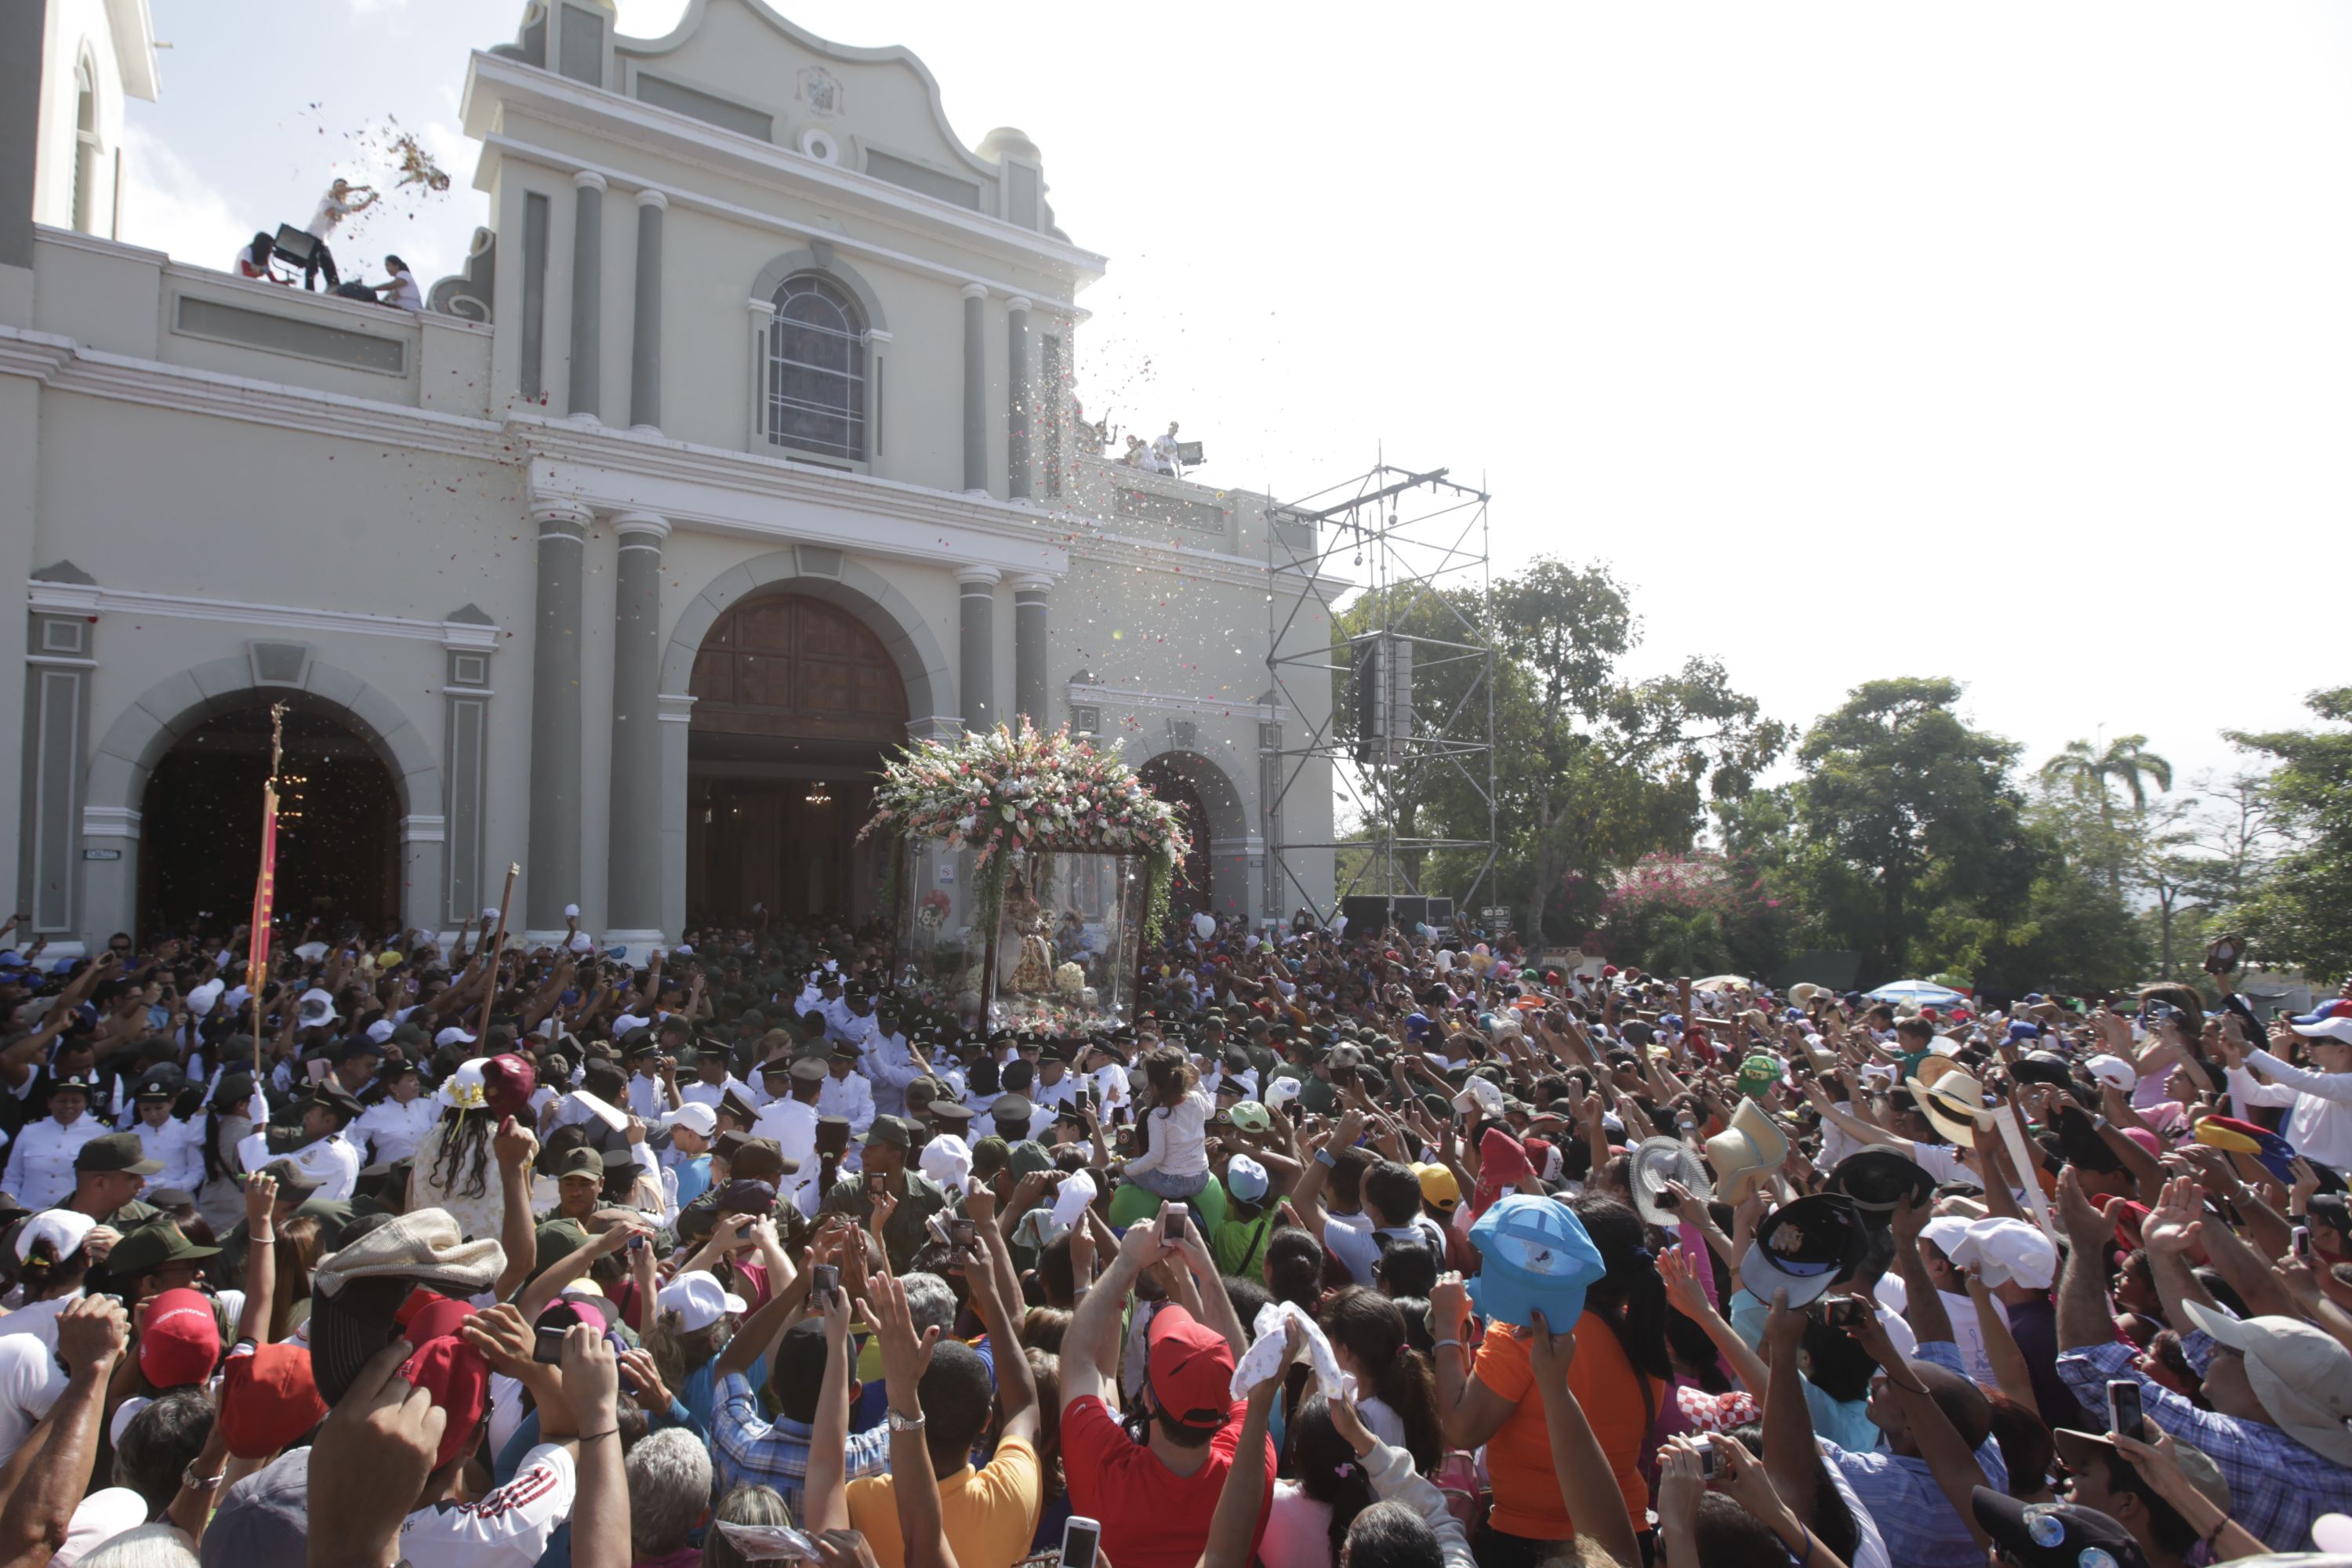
<point>2093,774</point>
<point>2302,914</point>
<point>1909,811</point>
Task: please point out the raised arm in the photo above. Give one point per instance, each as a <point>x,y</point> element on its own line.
<point>260,1259</point>
<point>516,1146</point>
<point>92,1336</point>
<point>825,1501</point>
<point>1588,1486</point>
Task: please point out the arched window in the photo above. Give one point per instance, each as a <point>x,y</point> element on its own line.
<point>85,170</point>
<point>817,369</point>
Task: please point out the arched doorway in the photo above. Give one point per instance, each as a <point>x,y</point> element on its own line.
<point>1194,879</point>
<point>795,702</point>
<point>338,823</point>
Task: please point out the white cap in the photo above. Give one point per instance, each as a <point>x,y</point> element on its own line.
<point>2114,1070</point>
<point>381,1030</point>
<point>63,1229</point>
<point>2009,1252</point>
<point>580,941</point>
<point>1245,1178</point>
<point>698,1300</point>
<point>453,1036</point>
<point>572,911</point>
<point>695,1116</point>
<point>202,999</point>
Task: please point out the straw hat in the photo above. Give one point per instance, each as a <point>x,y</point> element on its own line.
<point>1952,1101</point>
<point>1746,1153</point>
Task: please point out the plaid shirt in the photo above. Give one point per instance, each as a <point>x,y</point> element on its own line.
<point>2277,1487</point>
<point>751,1451</point>
<point>1903,1501</point>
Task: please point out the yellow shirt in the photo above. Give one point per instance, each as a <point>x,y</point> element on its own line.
<point>989,1515</point>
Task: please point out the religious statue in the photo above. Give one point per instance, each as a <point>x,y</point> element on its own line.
<point>1033,972</point>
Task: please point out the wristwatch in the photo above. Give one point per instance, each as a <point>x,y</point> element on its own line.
<point>906,1423</point>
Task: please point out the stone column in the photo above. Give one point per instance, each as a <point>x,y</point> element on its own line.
<point>977,651</point>
<point>1029,687</point>
<point>763,324</point>
<point>1017,404</point>
<point>553,870</point>
<point>975,394</point>
<point>645,338</point>
<point>587,295</point>
<point>470,644</point>
<point>633,896</point>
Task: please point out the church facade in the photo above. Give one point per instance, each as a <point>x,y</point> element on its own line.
<point>741,450</point>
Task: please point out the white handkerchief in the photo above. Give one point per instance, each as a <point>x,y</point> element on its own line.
<point>1480,1095</point>
<point>1282,1091</point>
<point>1070,1203</point>
<point>1263,1358</point>
<point>603,1111</point>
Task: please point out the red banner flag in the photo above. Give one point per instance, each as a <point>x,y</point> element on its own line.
<point>265,885</point>
<point>265,888</point>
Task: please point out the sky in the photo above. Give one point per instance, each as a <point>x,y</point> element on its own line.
<point>2007,343</point>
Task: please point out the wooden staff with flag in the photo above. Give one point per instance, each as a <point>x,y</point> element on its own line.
<point>265,885</point>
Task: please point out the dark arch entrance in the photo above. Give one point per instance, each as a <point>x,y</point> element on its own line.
<point>1192,888</point>
<point>338,824</point>
<point>795,702</point>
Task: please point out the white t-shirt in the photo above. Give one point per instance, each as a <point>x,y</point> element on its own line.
<point>508,1528</point>
<point>407,296</point>
<point>332,211</point>
<point>30,1383</point>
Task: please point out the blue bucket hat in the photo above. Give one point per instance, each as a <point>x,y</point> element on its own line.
<point>1534,1257</point>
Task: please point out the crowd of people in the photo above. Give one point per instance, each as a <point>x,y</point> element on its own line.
<point>1339,1251</point>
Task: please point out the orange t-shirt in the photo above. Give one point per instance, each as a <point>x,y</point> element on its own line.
<point>1518,1455</point>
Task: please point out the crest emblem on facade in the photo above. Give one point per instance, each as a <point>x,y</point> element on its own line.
<point>820,91</point>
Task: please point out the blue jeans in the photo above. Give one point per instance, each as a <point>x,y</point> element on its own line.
<point>1167,1185</point>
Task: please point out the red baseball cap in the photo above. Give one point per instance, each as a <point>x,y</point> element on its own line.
<point>458,1379</point>
<point>1189,1369</point>
<point>179,1339</point>
<point>268,1399</point>
<point>508,1081</point>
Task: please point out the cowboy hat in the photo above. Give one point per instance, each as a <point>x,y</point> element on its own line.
<point>1656,1162</point>
<point>1745,1153</point>
<point>1952,1101</point>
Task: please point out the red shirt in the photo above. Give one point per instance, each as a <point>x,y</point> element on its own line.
<point>1150,1516</point>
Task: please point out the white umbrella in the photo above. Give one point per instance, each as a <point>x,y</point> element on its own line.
<point>1925,992</point>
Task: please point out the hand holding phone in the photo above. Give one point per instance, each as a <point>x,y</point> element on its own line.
<point>825,1282</point>
<point>1081,1539</point>
<point>2125,1416</point>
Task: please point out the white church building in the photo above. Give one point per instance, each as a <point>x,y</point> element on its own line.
<point>742,448</point>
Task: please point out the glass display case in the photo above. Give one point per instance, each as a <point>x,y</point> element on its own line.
<point>1060,954</point>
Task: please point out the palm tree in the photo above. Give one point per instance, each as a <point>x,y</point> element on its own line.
<point>2093,773</point>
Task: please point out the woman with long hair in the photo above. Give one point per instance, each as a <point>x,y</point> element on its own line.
<point>1620,1377</point>
<point>1323,1487</point>
<point>456,1169</point>
<point>1399,1400</point>
<point>1177,1112</point>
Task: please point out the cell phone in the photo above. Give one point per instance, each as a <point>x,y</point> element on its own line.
<point>2299,1243</point>
<point>874,1183</point>
<point>1846,1312</point>
<point>825,1282</point>
<point>1081,1539</point>
<point>318,1067</point>
<point>1171,1223</point>
<point>546,1344</point>
<point>963,1234</point>
<point>2123,1415</point>
<point>1710,1462</point>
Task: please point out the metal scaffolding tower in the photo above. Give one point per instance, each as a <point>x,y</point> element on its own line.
<point>1397,563</point>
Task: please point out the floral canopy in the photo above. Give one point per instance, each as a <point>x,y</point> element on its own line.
<point>1009,792</point>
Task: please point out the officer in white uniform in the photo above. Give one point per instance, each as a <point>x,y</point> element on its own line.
<point>846,1092</point>
<point>890,1066</point>
<point>394,1127</point>
<point>40,1171</point>
<point>329,1158</point>
<point>176,1144</point>
<point>792,1120</point>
